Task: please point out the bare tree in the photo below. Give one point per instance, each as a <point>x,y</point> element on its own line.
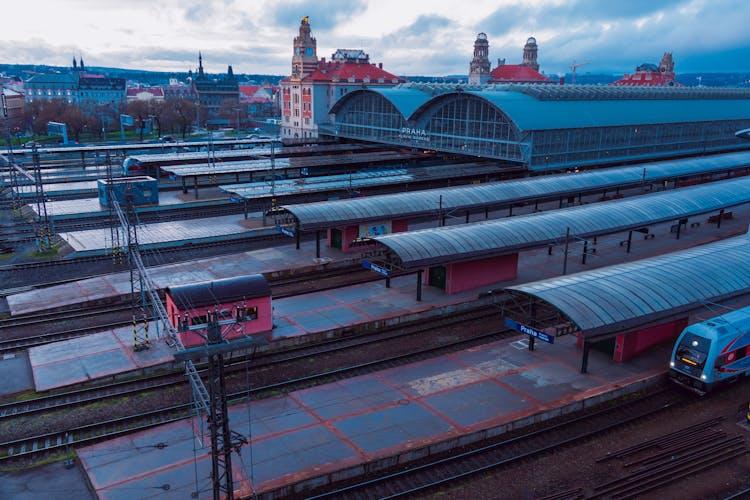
<point>75,119</point>
<point>180,114</point>
<point>139,110</point>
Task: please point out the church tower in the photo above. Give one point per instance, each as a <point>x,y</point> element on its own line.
<point>529,54</point>
<point>479,68</point>
<point>305,58</point>
<point>200,66</point>
<point>666,66</point>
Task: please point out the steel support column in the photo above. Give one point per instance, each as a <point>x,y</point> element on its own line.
<point>585,358</point>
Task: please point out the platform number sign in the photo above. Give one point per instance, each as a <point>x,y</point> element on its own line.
<point>533,332</point>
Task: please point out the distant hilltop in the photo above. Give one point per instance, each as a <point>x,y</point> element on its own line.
<point>24,71</point>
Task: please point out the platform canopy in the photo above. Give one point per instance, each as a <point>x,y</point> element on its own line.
<point>619,298</point>
<point>324,215</point>
<point>265,164</point>
<point>486,239</point>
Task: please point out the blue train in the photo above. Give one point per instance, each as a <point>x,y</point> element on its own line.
<point>712,353</point>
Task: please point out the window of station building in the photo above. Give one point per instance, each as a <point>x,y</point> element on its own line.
<point>307,121</point>
<point>199,320</point>
<point>249,313</point>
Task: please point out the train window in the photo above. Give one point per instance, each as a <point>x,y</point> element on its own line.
<point>693,350</point>
<point>251,312</point>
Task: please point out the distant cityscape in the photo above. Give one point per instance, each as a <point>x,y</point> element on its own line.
<point>92,100</point>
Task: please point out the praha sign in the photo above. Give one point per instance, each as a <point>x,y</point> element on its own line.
<point>529,331</point>
<point>414,134</point>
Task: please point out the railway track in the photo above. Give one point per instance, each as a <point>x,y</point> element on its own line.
<point>429,476</point>
<point>32,446</point>
<point>260,361</point>
<point>280,287</point>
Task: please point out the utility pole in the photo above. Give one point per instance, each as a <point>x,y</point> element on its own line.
<point>212,401</point>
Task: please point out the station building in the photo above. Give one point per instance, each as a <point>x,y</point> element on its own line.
<point>546,127</point>
<point>315,84</point>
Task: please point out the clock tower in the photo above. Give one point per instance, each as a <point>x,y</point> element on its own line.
<point>305,58</point>
<point>479,68</point>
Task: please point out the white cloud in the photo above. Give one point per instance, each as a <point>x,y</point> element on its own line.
<point>409,37</point>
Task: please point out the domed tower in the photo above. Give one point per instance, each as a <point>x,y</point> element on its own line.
<point>305,58</point>
<point>479,68</point>
<point>529,54</point>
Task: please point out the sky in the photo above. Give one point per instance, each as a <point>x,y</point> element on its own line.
<point>410,37</point>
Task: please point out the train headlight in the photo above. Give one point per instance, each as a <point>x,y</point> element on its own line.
<point>703,376</point>
<point>671,364</point>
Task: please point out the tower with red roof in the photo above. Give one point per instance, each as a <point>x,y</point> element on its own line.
<point>315,84</point>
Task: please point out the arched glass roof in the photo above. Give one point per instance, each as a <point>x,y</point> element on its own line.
<point>323,215</point>
<point>485,239</point>
<point>626,296</point>
<point>549,107</point>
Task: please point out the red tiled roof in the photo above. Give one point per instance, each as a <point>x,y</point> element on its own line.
<point>249,90</point>
<point>516,73</point>
<point>329,71</point>
<point>647,79</point>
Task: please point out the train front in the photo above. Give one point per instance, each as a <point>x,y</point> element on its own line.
<point>689,365</point>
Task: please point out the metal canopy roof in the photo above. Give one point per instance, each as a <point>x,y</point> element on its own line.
<point>529,113</point>
<point>356,180</point>
<point>626,296</point>
<point>489,238</point>
<point>139,146</point>
<point>220,155</point>
<point>323,215</point>
<point>550,107</point>
<point>289,163</point>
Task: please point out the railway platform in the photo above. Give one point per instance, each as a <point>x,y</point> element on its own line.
<point>310,437</point>
<point>168,200</point>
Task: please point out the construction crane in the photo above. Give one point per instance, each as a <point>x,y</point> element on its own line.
<point>573,68</point>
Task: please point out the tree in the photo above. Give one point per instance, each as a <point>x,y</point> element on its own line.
<point>75,119</point>
<point>230,110</point>
<point>139,110</point>
<point>179,114</point>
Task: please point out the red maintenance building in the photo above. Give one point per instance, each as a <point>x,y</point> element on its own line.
<point>246,299</point>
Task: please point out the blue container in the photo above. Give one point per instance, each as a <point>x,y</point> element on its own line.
<point>143,189</point>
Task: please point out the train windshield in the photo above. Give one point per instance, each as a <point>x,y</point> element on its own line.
<point>693,350</point>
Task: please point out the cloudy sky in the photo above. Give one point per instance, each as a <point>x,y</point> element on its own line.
<point>410,37</point>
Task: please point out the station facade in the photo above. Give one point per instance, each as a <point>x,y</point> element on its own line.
<point>546,127</point>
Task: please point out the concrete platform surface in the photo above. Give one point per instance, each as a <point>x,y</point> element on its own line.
<point>94,356</point>
<point>310,433</point>
<point>89,207</point>
<point>195,230</point>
